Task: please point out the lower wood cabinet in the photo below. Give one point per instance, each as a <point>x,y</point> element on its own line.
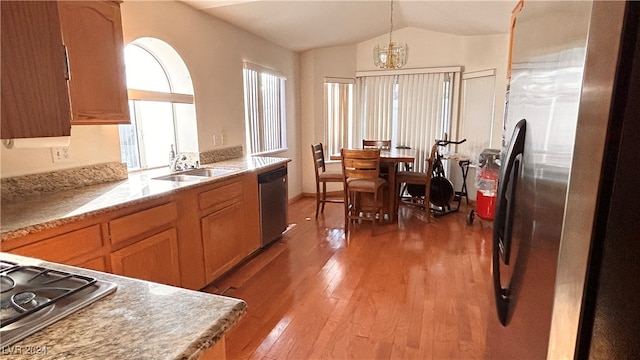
<point>97,264</point>
<point>73,248</point>
<point>154,259</point>
<point>186,239</point>
<point>222,240</point>
<point>131,226</point>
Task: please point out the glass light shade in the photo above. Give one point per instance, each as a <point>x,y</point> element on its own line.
<point>392,56</point>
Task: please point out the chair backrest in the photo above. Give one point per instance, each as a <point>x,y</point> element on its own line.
<point>318,158</point>
<point>361,164</point>
<point>376,144</point>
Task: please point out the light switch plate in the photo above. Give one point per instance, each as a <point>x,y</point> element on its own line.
<point>61,154</point>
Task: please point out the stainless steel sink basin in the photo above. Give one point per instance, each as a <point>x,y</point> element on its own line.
<point>208,172</point>
<point>179,178</point>
<point>194,175</point>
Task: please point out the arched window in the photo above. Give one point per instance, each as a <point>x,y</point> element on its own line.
<point>161,105</point>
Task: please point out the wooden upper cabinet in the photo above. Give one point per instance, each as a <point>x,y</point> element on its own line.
<point>35,101</point>
<point>514,17</point>
<point>92,33</point>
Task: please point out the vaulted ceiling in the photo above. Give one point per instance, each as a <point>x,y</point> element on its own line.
<point>301,25</point>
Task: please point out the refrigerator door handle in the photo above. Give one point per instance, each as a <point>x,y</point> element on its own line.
<point>503,223</point>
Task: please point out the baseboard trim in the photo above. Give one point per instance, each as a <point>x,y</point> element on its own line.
<point>296,198</point>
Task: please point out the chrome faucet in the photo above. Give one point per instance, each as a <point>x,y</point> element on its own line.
<point>173,165</point>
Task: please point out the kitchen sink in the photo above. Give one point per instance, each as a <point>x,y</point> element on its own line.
<point>194,175</point>
<point>208,172</point>
<point>179,178</point>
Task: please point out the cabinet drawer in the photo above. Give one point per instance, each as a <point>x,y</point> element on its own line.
<point>221,197</point>
<point>141,222</point>
<point>64,247</point>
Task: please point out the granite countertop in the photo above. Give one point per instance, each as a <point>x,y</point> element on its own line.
<point>35,213</point>
<point>140,320</point>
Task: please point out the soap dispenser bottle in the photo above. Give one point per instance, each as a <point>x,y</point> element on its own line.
<point>172,154</point>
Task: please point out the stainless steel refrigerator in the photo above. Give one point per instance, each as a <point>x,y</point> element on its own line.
<point>566,231</point>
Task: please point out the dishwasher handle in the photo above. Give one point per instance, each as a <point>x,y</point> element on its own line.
<point>272,175</point>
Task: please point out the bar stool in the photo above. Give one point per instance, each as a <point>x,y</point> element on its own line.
<point>361,170</point>
<point>382,145</point>
<point>323,177</point>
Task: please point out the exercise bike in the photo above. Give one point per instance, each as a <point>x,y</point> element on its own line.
<point>441,192</point>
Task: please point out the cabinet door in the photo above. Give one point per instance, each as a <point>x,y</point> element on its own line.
<point>154,259</point>
<point>35,100</point>
<point>222,240</point>
<point>97,264</point>
<point>92,32</point>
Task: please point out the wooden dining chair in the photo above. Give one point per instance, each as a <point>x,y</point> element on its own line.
<point>376,144</point>
<point>361,169</point>
<point>407,166</point>
<point>323,177</point>
<point>382,145</point>
<point>421,182</point>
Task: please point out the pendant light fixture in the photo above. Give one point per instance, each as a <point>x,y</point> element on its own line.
<point>392,56</point>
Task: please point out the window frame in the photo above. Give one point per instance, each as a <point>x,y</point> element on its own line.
<point>254,107</point>
<point>138,96</point>
<point>345,89</point>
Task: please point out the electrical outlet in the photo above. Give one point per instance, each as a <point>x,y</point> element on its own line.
<point>223,139</point>
<point>61,154</point>
<point>215,140</point>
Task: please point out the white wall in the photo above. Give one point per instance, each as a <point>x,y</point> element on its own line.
<point>214,52</point>
<point>490,52</point>
<point>426,49</point>
<point>90,145</point>
<point>315,65</point>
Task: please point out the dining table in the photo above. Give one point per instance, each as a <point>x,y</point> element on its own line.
<point>390,159</point>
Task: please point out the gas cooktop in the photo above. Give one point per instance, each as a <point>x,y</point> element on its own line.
<point>34,297</point>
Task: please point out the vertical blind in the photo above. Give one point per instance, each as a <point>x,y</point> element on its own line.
<point>409,109</point>
<point>477,113</point>
<point>338,103</point>
<point>374,108</point>
<point>423,112</point>
<point>264,94</point>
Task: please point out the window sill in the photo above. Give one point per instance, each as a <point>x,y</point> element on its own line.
<point>269,153</point>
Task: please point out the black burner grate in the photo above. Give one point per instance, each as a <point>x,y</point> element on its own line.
<point>35,288</point>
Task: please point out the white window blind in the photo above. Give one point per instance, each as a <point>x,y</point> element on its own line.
<point>374,109</point>
<point>338,113</point>
<point>410,109</point>
<point>424,112</point>
<point>476,122</point>
<point>264,105</point>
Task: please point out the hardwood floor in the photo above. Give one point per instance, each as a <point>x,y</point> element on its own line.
<point>409,290</point>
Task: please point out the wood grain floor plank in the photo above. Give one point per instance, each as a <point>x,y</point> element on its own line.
<point>408,290</point>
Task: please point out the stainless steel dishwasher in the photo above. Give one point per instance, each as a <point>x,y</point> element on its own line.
<point>272,189</point>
